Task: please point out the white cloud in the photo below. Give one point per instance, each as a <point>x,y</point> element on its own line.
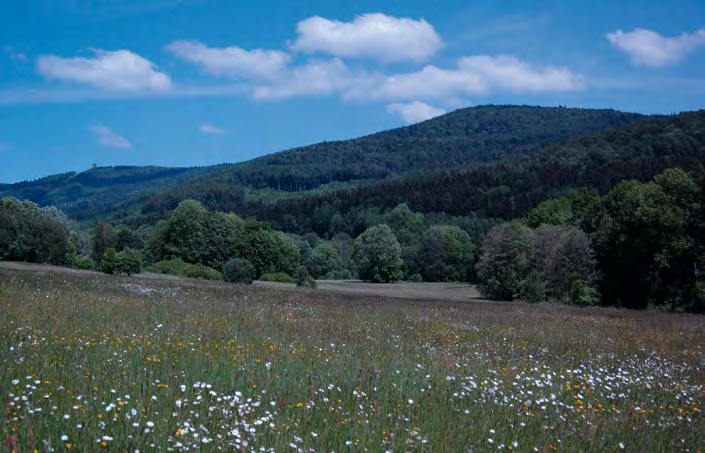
<point>119,70</point>
<point>231,61</point>
<point>375,36</point>
<point>475,75</point>
<point>317,77</point>
<point>431,82</point>
<point>507,72</point>
<point>648,48</point>
<point>208,128</point>
<point>108,138</point>
<point>415,112</point>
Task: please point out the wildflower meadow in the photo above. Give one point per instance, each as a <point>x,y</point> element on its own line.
<point>91,362</point>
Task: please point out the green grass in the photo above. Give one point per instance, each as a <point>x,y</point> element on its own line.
<point>130,364</point>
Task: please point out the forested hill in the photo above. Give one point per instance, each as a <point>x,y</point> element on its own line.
<point>463,137</point>
<point>508,189</point>
<point>93,192</point>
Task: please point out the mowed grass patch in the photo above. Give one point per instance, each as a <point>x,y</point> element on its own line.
<point>91,362</point>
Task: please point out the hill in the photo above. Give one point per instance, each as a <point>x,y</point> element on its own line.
<point>460,138</point>
<point>509,188</point>
<point>468,136</point>
<point>95,192</point>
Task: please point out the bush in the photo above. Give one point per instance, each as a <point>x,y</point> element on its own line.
<point>81,262</point>
<point>415,278</point>
<point>583,294</point>
<point>279,277</point>
<point>308,282</point>
<point>183,269</point>
<point>303,279</point>
<point>338,274</point>
<point>238,270</point>
<point>129,262</point>
<point>126,262</point>
<point>110,262</point>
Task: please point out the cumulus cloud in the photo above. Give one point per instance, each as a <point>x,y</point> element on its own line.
<point>476,75</point>
<point>376,36</point>
<point>415,112</point>
<point>649,48</point>
<point>208,128</point>
<point>317,77</point>
<point>108,138</point>
<point>430,82</point>
<point>119,70</point>
<point>231,61</point>
<point>507,72</point>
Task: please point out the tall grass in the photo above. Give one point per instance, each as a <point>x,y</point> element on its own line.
<point>91,362</point>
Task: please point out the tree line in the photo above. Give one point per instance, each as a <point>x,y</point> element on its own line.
<point>638,245</point>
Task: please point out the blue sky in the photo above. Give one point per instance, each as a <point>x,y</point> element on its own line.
<point>199,82</point>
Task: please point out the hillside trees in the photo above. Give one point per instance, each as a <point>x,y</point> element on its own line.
<point>325,261</point>
<point>505,264</point>
<point>196,235</point>
<point>650,241</point>
<point>377,255</point>
<point>33,234</point>
<point>446,254</point>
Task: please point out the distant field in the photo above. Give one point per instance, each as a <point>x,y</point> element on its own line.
<point>91,362</point>
<point>443,291</point>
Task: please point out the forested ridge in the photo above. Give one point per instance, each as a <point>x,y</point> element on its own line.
<point>510,188</point>
<point>463,137</point>
<point>98,192</point>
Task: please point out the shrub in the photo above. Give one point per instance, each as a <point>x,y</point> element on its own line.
<point>110,261</point>
<point>238,270</point>
<point>303,279</point>
<point>583,294</point>
<point>338,274</point>
<point>126,262</point>
<point>129,262</point>
<point>308,282</point>
<point>81,262</point>
<point>279,277</point>
<point>180,268</point>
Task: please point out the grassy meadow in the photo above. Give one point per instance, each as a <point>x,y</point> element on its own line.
<point>91,362</point>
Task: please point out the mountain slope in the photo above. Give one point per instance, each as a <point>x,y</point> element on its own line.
<point>463,137</point>
<point>510,188</point>
<point>94,192</point>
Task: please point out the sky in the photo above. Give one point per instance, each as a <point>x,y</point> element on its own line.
<point>200,82</point>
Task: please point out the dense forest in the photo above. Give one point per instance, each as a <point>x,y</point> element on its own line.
<point>463,137</point>
<point>460,138</point>
<point>101,191</point>
<point>612,218</point>
<point>509,188</point>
